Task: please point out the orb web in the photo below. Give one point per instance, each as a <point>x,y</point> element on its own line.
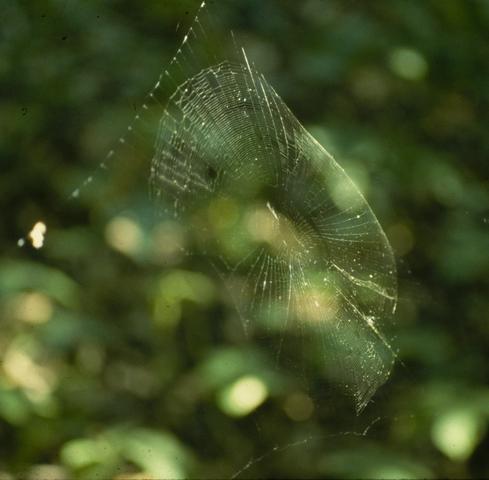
<point>303,257</point>
<point>301,252</point>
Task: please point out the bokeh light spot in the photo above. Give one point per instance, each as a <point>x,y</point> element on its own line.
<point>32,307</point>
<point>408,63</point>
<point>243,396</point>
<point>456,433</point>
<point>299,406</point>
<point>124,234</point>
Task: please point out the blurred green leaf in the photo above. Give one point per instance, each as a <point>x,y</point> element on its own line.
<point>18,276</point>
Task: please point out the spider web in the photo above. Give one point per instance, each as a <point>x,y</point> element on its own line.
<point>299,248</point>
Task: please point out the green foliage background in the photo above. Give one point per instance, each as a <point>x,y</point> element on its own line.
<point>113,363</point>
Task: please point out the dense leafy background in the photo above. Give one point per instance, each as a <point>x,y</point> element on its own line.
<point>116,354</point>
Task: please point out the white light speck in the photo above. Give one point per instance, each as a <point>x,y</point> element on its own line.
<point>36,235</point>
